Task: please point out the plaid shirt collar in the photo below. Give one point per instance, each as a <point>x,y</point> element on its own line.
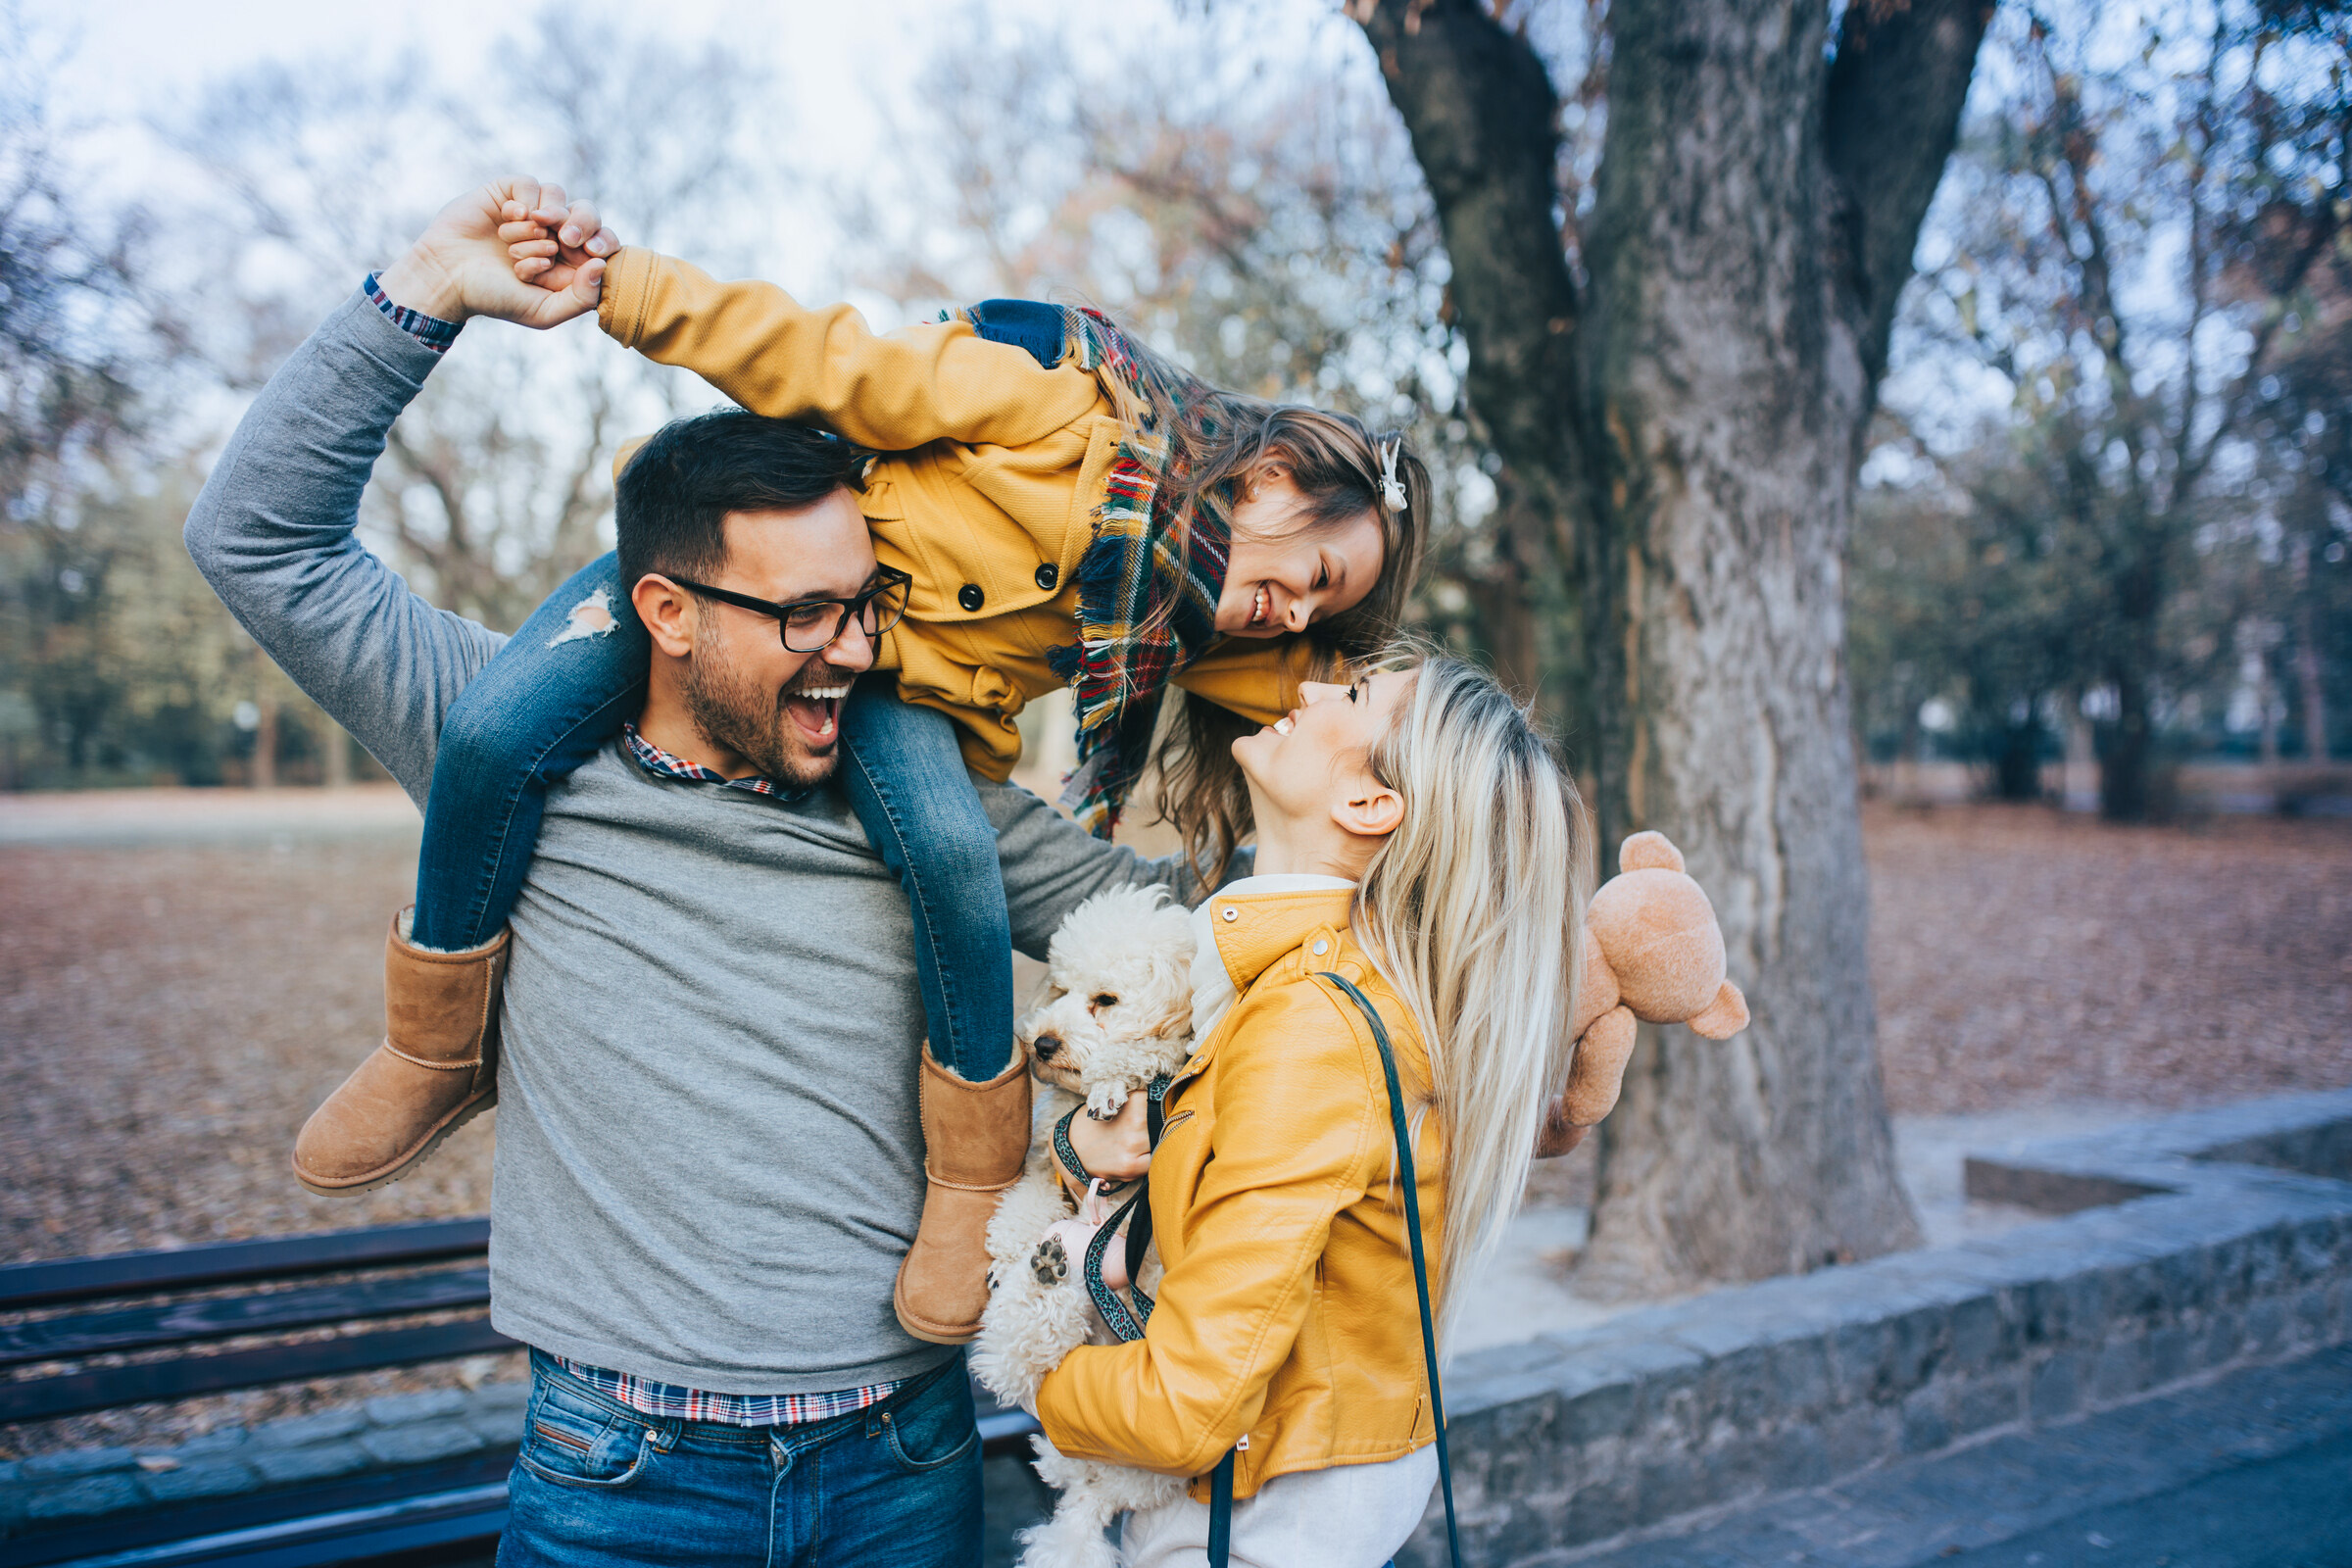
<point>668,765</point>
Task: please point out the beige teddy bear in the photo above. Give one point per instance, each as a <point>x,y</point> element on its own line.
<point>1653,954</point>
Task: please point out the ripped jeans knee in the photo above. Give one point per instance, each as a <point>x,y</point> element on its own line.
<point>589,618</point>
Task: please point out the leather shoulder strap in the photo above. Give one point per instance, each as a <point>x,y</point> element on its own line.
<point>1221,1501</point>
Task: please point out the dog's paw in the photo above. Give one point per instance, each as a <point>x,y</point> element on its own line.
<point>1051,1263</point>
<point>1105,1101</point>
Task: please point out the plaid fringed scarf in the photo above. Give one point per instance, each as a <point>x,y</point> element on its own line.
<point>1147,591</point>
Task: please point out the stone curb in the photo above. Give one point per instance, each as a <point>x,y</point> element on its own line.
<point>2220,1241</point>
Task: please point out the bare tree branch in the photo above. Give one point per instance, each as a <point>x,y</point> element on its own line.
<point>1483,122</point>
<point>1889,119</point>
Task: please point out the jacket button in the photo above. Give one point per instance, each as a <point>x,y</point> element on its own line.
<point>1048,575</point>
<point>970,597</point>
<point>1228,912</point>
<point>1321,947</point>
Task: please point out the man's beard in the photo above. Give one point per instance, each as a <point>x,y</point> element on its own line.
<point>750,723</point>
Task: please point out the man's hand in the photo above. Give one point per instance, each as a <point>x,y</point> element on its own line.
<point>462,266</point>
<point>1119,1149</point>
<point>552,246</point>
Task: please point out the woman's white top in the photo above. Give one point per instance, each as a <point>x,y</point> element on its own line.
<point>1349,1516</point>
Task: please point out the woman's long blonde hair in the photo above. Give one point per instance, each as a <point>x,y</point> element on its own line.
<point>1474,912</point>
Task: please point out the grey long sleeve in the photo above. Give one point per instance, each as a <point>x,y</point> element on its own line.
<point>272,534</point>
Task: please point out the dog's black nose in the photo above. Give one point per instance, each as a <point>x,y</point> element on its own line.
<point>1047,1047</point>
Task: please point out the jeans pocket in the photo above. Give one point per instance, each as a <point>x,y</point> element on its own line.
<point>575,1444</point>
<point>934,1428</point>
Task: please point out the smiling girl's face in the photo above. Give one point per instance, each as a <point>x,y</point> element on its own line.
<point>1283,572</point>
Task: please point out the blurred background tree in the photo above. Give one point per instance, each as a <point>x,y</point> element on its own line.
<point>2145,256</point>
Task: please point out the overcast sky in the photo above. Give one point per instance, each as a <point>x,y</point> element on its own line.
<point>137,54</point>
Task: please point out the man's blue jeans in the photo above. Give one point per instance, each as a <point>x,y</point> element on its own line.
<point>561,690</point>
<point>598,1483</point>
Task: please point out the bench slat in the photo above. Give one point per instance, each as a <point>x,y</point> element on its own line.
<point>145,1328</point>
<point>74,1279</point>
<point>40,1398</point>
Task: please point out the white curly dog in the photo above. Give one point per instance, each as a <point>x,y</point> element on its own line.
<point>1117,1013</point>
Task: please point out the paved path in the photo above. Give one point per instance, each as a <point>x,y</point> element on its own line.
<point>115,818</point>
<point>2251,1471</point>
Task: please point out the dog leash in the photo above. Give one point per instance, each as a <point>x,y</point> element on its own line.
<point>1126,1324</point>
<point>1220,1482</point>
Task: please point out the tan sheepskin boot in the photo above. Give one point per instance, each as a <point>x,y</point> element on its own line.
<point>436,1070</point>
<point>975,1137</point>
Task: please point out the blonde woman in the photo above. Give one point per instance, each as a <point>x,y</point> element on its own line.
<point>1417,837</point>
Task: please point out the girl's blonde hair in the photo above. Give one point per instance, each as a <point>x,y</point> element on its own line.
<point>1474,912</point>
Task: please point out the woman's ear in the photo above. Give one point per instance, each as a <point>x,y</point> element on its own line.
<point>1370,809</point>
<point>668,615</point>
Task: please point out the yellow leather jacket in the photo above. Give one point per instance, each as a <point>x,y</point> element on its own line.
<point>1287,1317</point>
<point>992,466</point>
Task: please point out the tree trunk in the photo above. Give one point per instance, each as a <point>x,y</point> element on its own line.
<point>264,746</point>
<point>2266,692</point>
<point>2017,764</point>
<point>1756,213</point>
<point>1728,368</point>
<point>336,760</point>
<point>2308,683</point>
<point>2314,693</point>
<point>2080,791</point>
<point>1520,603</point>
<point>2127,762</point>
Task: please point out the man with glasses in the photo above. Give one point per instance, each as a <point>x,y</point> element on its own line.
<point>709,1162</point>
<point>752,666</point>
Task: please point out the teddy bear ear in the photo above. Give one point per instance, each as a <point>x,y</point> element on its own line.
<point>1648,850</point>
<point>1724,1016</point>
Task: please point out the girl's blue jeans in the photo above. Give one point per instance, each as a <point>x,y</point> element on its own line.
<point>564,685</point>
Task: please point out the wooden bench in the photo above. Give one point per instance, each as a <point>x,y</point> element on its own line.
<point>97,1333</point>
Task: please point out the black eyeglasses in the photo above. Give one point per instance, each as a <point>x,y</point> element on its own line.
<point>807,625</point>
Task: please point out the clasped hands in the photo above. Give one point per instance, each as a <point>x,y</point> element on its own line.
<point>513,249</point>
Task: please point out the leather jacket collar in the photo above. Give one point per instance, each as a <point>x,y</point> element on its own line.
<point>1252,930</point>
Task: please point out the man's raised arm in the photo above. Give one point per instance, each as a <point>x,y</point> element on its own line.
<point>273,531</point>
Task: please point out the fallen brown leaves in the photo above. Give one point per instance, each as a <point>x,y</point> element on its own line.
<point>2027,956</point>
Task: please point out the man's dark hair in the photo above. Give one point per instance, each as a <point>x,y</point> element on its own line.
<point>670,505</point>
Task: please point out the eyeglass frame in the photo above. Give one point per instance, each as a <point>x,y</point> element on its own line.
<point>890,577</point>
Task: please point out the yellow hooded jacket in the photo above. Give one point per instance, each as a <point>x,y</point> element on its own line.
<point>991,469</point>
<point>1287,1316</point>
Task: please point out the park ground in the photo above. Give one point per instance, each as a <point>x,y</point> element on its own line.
<point>184,977</point>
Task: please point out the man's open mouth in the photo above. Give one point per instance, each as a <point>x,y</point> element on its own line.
<point>817,709</point>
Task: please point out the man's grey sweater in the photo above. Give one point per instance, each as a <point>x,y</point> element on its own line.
<point>709,1162</point>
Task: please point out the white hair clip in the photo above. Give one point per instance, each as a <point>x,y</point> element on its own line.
<point>1392,490</point>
